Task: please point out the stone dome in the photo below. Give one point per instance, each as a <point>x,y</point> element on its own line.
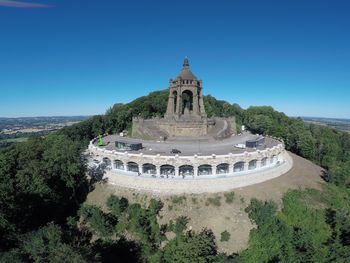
<point>186,73</point>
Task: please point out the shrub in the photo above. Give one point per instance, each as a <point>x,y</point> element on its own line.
<point>225,236</point>
<point>214,200</point>
<point>229,197</point>
<point>178,199</point>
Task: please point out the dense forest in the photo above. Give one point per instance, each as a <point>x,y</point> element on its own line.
<point>43,217</point>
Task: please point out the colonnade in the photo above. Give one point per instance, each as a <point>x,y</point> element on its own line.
<point>186,170</point>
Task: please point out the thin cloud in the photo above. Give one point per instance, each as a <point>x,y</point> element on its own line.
<point>19,4</point>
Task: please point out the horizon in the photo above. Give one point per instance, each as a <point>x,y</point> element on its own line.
<point>293,56</point>
<point>103,113</point>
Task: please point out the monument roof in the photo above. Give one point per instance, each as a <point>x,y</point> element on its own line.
<point>186,73</point>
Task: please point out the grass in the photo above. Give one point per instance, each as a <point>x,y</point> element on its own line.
<point>214,201</point>
<point>178,199</point>
<point>194,200</point>
<point>229,197</point>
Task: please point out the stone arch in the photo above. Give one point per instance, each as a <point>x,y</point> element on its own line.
<point>263,161</point>
<point>186,170</point>
<point>167,169</point>
<point>118,164</point>
<point>205,169</point>
<point>107,163</point>
<point>252,164</point>
<point>148,168</point>
<point>132,167</point>
<point>238,167</point>
<point>223,168</point>
<point>187,101</point>
<point>273,159</point>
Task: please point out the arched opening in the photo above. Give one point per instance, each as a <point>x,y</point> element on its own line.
<point>204,169</point>
<point>167,170</point>
<point>263,161</point>
<point>252,164</point>
<point>148,168</point>
<point>175,100</point>
<point>222,168</point>
<point>238,167</point>
<point>186,170</point>
<point>133,167</point>
<point>273,159</point>
<point>107,163</point>
<point>118,164</point>
<point>187,101</point>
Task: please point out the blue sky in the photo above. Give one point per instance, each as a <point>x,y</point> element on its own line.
<point>65,57</point>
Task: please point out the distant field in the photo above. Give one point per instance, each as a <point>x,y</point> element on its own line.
<point>24,139</point>
<point>338,124</point>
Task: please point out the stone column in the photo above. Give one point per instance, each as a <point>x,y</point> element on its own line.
<point>213,169</point>
<point>201,103</point>
<point>230,169</point>
<point>195,170</point>
<point>125,166</point>
<point>196,104</point>
<point>170,107</point>
<point>140,168</point>
<point>179,102</point>
<point>246,165</point>
<point>158,171</point>
<point>258,164</point>
<point>176,171</point>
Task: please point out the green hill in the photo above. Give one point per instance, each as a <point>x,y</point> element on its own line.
<point>43,184</point>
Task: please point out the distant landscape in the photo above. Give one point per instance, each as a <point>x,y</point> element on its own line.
<point>338,124</point>
<point>14,130</point>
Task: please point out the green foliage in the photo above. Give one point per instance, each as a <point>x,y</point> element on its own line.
<point>100,223</point>
<point>260,212</point>
<point>100,141</point>
<point>229,197</point>
<point>41,180</point>
<point>298,233</point>
<point>191,247</point>
<point>225,236</point>
<point>45,245</point>
<point>322,145</point>
<point>179,226</point>
<point>117,205</point>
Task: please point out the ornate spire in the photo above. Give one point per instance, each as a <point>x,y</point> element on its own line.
<point>186,72</point>
<point>186,64</point>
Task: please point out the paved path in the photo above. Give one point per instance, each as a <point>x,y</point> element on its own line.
<point>193,146</point>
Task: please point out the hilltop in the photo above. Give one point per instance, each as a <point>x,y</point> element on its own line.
<point>47,211</point>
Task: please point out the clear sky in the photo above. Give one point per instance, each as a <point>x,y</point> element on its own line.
<point>79,57</point>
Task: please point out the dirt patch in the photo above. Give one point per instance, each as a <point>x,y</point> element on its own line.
<point>216,211</point>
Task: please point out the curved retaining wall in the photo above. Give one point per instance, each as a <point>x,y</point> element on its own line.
<point>165,186</point>
<point>270,163</point>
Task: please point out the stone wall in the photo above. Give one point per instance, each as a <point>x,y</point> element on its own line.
<point>165,186</point>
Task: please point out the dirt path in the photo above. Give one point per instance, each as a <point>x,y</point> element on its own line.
<point>203,211</point>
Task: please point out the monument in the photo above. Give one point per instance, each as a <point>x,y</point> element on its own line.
<point>186,151</point>
<point>185,115</point>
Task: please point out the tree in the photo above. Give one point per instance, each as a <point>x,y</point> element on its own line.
<point>191,247</point>
<point>44,245</point>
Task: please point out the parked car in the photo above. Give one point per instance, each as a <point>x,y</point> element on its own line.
<point>175,151</point>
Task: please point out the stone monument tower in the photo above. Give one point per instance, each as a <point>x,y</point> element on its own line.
<point>185,96</point>
<point>185,115</point>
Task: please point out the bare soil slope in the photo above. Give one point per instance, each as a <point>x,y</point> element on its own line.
<point>214,211</point>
